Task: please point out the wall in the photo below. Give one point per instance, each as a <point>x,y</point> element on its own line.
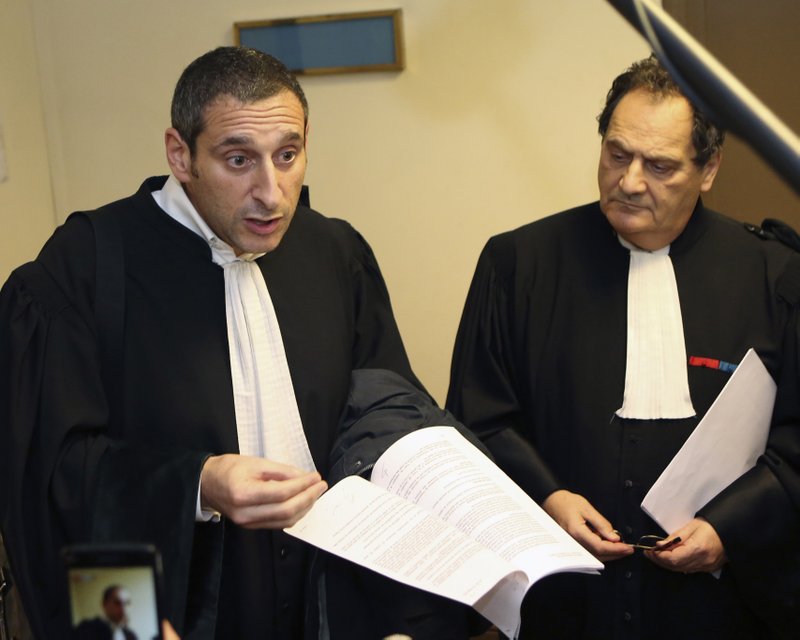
<point>26,199</point>
<point>490,125</point>
<point>758,43</point>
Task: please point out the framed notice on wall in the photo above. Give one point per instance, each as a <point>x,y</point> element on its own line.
<point>339,43</point>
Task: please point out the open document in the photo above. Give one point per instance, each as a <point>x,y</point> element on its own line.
<point>726,444</point>
<point>441,516</point>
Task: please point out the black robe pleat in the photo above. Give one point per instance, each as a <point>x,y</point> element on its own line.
<point>68,477</point>
<point>539,370</point>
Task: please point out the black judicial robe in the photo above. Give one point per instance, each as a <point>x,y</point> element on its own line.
<point>67,476</point>
<point>539,370</point>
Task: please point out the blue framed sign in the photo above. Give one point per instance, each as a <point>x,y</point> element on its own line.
<point>339,43</point>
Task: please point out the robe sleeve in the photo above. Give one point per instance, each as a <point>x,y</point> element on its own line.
<point>378,344</point>
<point>382,407</point>
<point>385,401</point>
<point>758,516</point>
<point>66,479</point>
<point>482,391</point>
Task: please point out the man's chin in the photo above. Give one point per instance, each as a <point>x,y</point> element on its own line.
<point>261,242</point>
<point>260,247</point>
<point>624,219</point>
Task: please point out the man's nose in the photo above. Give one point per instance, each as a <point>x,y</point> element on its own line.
<point>266,186</point>
<point>632,179</point>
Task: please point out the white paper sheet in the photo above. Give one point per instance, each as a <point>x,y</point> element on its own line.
<point>726,444</point>
<point>438,470</point>
<point>440,516</point>
<point>361,522</point>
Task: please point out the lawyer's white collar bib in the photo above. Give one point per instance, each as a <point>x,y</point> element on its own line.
<point>656,377</point>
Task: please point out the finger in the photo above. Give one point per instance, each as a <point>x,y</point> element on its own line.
<point>600,526</point>
<point>279,471</point>
<point>610,551</point>
<point>168,632</point>
<point>600,548</point>
<point>680,559</point>
<point>666,560</point>
<point>271,491</point>
<point>668,543</point>
<point>278,515</point>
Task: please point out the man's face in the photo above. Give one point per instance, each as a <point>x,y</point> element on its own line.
<point>649,184</point>
<point>248,169</point>
<point>116,606</point>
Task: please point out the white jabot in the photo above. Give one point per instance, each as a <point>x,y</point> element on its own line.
<point>656,380</point>
<point>266,409</point>
<point>267,419</point>
<point>117,631</point>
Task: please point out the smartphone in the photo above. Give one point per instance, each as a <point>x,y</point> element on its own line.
<point>114,586</point>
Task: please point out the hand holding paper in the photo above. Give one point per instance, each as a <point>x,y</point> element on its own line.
<point>440,516</point>
<point>726,444</point>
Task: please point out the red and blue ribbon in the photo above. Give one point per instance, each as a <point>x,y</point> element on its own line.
<point>712,363</point>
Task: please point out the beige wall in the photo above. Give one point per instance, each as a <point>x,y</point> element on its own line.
<point>490,125</point>
<point>26,199</point>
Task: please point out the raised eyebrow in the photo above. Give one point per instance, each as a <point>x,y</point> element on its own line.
<point>241,141</point>
<point>233,141</point>
<point>293,136</point>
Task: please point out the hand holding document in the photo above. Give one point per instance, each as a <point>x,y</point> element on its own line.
<point>440,516</point>
<point>726,444</point>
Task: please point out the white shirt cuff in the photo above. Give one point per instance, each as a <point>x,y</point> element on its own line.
<point>205,515</point>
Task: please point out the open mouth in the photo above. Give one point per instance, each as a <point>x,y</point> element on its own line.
<point>260,226</point>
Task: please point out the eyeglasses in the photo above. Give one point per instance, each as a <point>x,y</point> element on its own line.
<point>649,543</point>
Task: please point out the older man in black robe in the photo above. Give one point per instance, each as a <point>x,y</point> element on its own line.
<point>589,350</point>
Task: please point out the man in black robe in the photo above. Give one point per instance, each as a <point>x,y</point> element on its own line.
<point>584,393</point>
<point>119,411</point>
<point>113,624</point>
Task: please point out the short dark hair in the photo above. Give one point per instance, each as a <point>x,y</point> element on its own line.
<point>109,591</point>
<point>245,74</point>
<point>650,76</point>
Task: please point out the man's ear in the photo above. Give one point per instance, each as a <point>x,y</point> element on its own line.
<point>710,171</point>
<point>179,157</point>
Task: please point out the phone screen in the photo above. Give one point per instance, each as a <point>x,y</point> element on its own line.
<point>114,587</point>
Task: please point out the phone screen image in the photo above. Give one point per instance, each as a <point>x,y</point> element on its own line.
<point>116,598</point>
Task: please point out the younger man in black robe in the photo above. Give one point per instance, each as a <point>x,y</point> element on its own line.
<point>559,369</point>
<point>124,388</point>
